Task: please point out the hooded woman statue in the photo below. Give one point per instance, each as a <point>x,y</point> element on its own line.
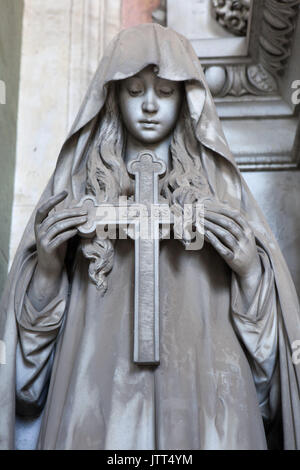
<point>229,314</point>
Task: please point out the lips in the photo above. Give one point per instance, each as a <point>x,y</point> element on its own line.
<point>148,122</point>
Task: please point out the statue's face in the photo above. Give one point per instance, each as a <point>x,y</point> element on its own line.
<point>149,105</point>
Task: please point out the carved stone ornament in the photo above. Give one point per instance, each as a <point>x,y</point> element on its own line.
<point>275,38</point>
<point>274,49</point>
<point>232,15</point>
<point>239,80</point>
<point>254,83</point>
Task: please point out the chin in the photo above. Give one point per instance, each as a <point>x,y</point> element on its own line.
<point>150,138</point>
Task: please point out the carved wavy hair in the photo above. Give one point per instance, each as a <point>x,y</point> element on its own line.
<point>107,176</point>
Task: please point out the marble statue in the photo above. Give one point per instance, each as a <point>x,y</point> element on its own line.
<point>213,367</point>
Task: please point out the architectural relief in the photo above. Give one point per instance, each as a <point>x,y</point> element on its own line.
<point>276,37</point>
<point>249,76</point>
<point>239,80</point>
<point>233,15</point>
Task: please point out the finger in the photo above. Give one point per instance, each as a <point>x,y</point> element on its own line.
<point>62,238</point>
<point>64,225</point>
<point>226,238</point>
<point>219,247</point>
<point>231,213</point>
<point>225,222</point>
<point>45,208</point>
<point>59,216</point>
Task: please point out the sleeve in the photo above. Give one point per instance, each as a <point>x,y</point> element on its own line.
<point>37,333</point>
<point>256,326</point>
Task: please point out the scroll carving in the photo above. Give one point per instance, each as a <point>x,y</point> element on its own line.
<point>276,36</point>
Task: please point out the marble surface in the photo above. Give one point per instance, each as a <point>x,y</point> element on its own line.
<point>10,41</point>
<point>62,45</point>
<point>277,193</point>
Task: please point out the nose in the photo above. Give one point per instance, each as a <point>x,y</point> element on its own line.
<point>150,104</point>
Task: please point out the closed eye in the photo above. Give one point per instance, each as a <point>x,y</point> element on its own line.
<point>135,92</point>
<point>135,87</point>
<point>166,91</point>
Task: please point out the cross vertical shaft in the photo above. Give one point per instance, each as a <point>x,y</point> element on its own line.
<point>146,169</point>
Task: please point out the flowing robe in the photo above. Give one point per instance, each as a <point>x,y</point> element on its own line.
<point>218,374</point>
<point>213,353</point>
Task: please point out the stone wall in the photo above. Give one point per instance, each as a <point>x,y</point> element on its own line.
<point>63,42</point>
<point>278,194</point>
<point>10,41</point>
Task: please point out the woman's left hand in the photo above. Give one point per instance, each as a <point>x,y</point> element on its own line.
<point>231,236</point>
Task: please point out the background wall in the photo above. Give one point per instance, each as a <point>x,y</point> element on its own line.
<point>10,50</point>
<point>278,194</point>
<point>137,12</point>
<point>63,41</point>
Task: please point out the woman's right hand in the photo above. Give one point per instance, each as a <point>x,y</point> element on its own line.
<point>52,231</point>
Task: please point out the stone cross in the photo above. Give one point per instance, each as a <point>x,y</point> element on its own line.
<point>142,221</point>
<point>146,170</point>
